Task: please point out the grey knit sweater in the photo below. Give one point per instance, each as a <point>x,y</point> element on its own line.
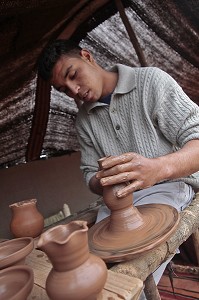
<point>149,114</point>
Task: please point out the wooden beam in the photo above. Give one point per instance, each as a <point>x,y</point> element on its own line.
<point>150,289</point>
<point>42,101</point>
<point>131,34</point>
<point>185,269</point>
<point>196,243</point>
<point>81,17</point>
<point>40,120</point>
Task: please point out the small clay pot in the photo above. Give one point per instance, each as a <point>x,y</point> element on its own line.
<point>14,252</point>
<point>76,273</point>
<point>16,282</point>
<point>26,219</point>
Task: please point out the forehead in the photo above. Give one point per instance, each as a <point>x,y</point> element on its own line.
<point>61,67</point>
<point>63,63</point>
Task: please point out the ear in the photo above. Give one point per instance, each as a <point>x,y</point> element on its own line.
<point>86,55</point>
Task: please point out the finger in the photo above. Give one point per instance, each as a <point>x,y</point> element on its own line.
<point>119,178</point>
<point>112,161</point>
<point>132,187</point>
<point>126,167</point>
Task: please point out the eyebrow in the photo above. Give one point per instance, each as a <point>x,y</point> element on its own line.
<point>67,71</point>
<point>66,74</point>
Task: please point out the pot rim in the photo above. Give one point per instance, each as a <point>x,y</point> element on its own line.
<point>52,232</point>
<point>23,202</point>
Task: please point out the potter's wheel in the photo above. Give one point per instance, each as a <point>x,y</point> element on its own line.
<point>156,224</point>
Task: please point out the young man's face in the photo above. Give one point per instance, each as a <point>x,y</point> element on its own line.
<point>78,77</point>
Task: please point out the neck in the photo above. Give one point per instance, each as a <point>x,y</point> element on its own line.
<point>110,82</point>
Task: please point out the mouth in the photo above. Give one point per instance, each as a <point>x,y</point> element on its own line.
<point>86,96</point>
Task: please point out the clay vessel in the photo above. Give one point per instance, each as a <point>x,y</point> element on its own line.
<point>129,230</point>
<point>76,274</point>
<point>26,220</point>
<point>124,216</point>
<point>16,282</point>
<point>15,251</point>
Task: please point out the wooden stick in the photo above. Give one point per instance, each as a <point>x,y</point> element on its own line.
<point>150,289</point>
<point>195,236</point>
<point>131,34</point>
<point>185,269</point>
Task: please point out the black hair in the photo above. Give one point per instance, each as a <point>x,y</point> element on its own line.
<point>52,53</point>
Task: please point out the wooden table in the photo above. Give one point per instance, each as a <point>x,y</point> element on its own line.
<point>125,280</point>
<point>117,287</point>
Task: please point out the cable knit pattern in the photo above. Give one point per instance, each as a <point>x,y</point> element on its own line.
<point>149,114</point>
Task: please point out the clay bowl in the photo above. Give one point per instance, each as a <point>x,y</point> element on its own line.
<point>16,282</point>
<point>14,252</point>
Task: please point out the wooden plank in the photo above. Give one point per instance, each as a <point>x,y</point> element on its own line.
<point>89,214</point>
<point>117,287</point>
<point>120,286</point>
<point>41,266</point>
<point>38,293</point>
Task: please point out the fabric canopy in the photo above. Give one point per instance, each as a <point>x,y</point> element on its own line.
<point>166,31</point>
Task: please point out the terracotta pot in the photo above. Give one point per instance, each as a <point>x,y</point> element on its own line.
<point>16,282</point>
<point>76,274</point>
<point>14,252</point>
<point>26,220</point>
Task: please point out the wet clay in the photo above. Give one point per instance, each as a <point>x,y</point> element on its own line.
<point>130,230</point>
<point>76,274</point>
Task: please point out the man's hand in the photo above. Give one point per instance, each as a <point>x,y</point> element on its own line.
<point>140,172</point>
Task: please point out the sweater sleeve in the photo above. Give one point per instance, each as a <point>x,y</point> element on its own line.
<point>89,154</point>
<point>176,115</point>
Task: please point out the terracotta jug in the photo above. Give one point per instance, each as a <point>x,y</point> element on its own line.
<point>76,274</point>
<point>26,219</point>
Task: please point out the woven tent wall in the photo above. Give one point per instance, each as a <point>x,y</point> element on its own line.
<point>168,33</point>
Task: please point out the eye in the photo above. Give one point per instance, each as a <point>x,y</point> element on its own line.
<point>73,75</point>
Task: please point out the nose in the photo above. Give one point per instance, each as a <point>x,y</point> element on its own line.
<point>72,89</point>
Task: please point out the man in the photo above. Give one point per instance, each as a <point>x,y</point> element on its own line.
<point>139,118</point>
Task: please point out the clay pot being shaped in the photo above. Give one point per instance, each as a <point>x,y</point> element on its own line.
<point>76,274</point>
<point>129,230</point>
<point>14,252</point>
<point>16,282</point>
<point>26,220</point>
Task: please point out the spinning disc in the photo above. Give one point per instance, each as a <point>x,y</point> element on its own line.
<point>158,222</point>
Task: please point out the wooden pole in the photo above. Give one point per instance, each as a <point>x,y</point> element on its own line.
<point>131,33</point>
<point>150,289</point>
<point>195,236</point>
<point>185,269</point>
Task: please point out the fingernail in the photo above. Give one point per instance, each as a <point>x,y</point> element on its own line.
<point>103,181</point>
<point>120,195</point>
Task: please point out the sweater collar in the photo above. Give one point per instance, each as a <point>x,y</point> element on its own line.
<point>126,83</point>
<point>126,79</point>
